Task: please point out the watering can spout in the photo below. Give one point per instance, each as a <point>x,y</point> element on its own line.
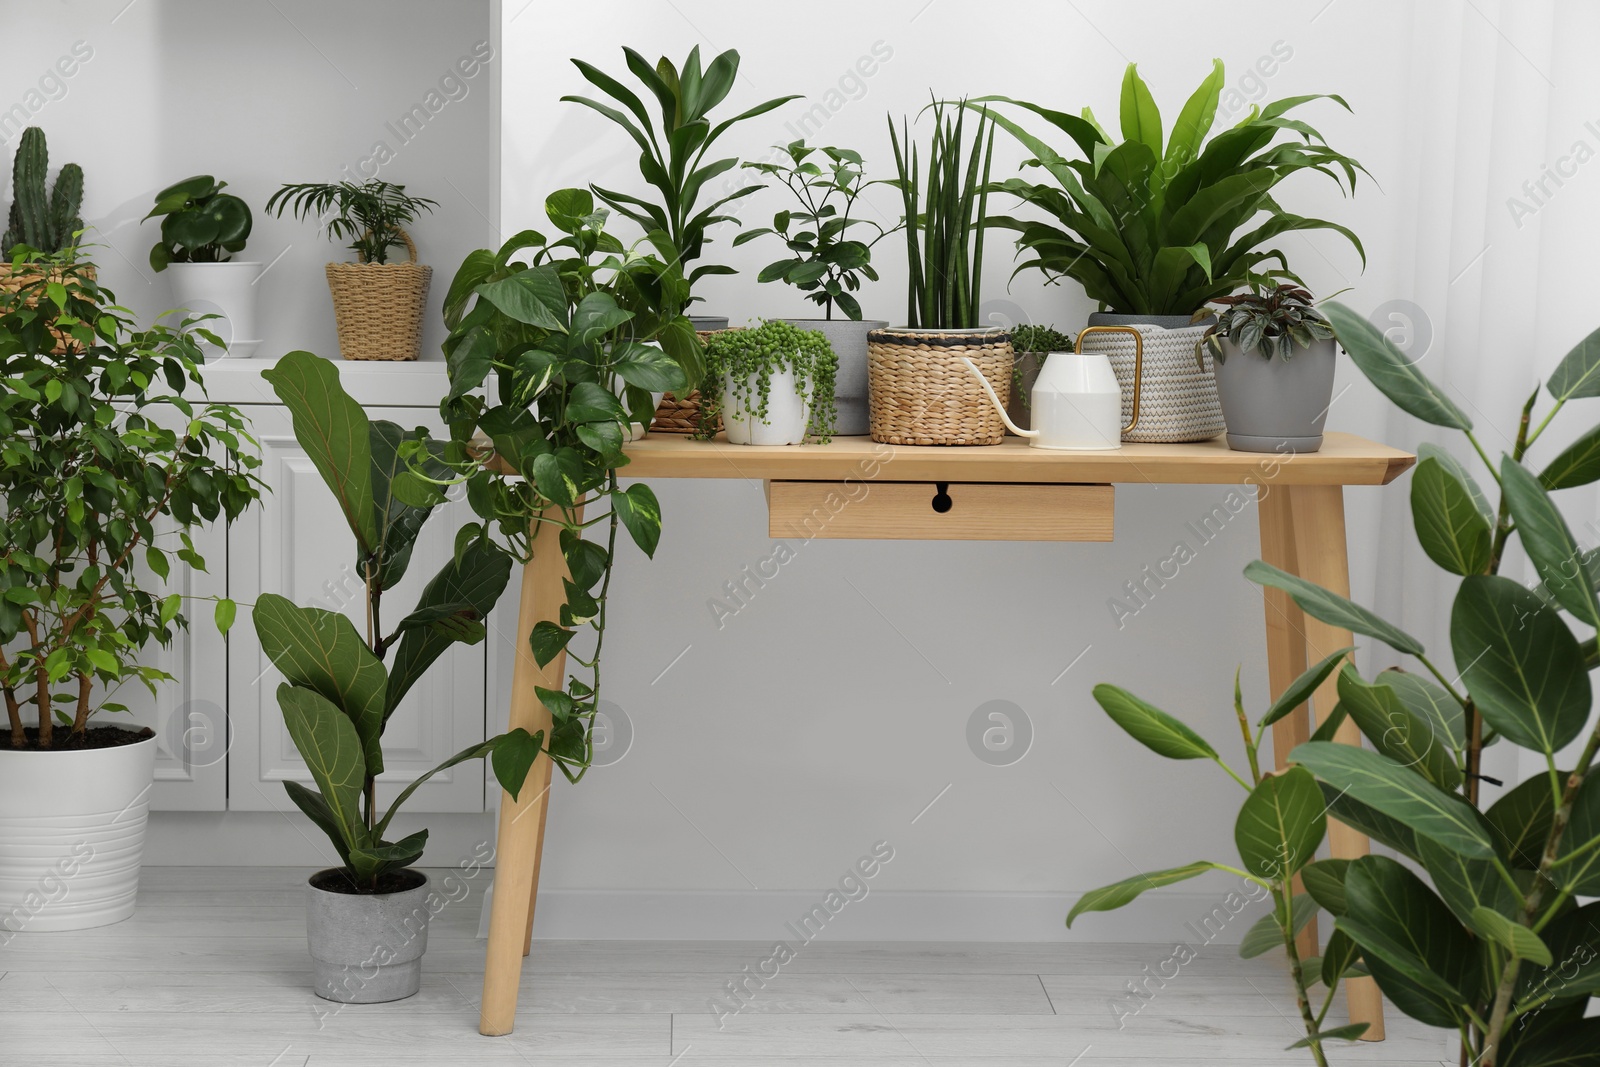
<point>995,400</point>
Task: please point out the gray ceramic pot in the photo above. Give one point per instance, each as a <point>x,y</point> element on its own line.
<point>366,948</point>
<point>848,339</point>
<point>1275,405</point>
<point>705,323</point>
<point>1020,407</point>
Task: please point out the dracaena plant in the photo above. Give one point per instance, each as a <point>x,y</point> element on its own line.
<point>341,686</point>
<point>1162,223</point>
<point>1490,939</point>
<point>825,260</point>
<point>577,334</point>
<point>672,157</point>
<point>1270,321</point>
<point>109,456</point>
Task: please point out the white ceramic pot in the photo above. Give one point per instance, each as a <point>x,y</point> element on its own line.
<point>788,412</point>
<point>228,290</point>
<point>72,835</point>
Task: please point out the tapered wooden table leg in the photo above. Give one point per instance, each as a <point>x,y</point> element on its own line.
<point>521,837</point>
<point>1321,557</point>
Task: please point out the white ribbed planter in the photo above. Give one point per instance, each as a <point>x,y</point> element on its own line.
<point>72,835</point>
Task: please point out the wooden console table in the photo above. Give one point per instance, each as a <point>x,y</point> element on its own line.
<point>858,489</point>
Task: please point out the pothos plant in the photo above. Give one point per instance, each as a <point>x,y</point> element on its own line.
<point>740,365</point>
<point>109,456</point>
<point>1490,939</point>
<point>577,335</point>
<point>341,688</point>
<point>825,260</point>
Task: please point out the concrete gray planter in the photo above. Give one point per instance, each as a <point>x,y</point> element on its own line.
<point>848,339</point>
<point>1276,405</point>
<point>366,948</point>
<point>708,323</point>
<point>1020,408</point>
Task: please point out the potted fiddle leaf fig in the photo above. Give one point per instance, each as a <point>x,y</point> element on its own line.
<point>1273,356</point>
<point>1162,222</point>
<point>367,919</point>
<point>826,260</point>
<point>201,229</point>
<point>1482,930</point>
<point>110,457</point>
<point>771,385</point>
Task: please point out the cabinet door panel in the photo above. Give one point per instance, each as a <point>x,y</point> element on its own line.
<point>298,545</point>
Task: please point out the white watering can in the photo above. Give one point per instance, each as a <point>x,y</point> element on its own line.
<point>1076,402</point>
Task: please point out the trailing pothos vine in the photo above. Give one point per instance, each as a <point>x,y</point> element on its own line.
<point>576,333</point>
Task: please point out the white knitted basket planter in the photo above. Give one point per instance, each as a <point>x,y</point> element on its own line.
<point>1178,400</point>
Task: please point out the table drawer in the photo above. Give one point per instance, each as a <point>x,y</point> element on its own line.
<point>939,511</point>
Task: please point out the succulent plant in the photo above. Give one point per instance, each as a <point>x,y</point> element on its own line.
<point>46,221</point>
<point>1033,338</point>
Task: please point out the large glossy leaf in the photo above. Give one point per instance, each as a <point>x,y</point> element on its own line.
<point>1375,824</point>
<point>1389,369</point>
<point>327,741</point>
<point>1150,726</point>
<point>1522,819</point>
<point>1430,703</point>
<point>321,650</point>
<point>1579,854</point>
<point>1280,825</point>
<point>1300,690</point>
<point>1452,529</point>
<point>1521,664</point>
<point>1550,544</point>
<point>1141,120</point>
<point>1338,957</point>
<point>1419,954</point>
<point>513,757</point>
<point>1394,731</point>
<point>646,366</point>
<point>1515,938</point>
<point>1578,464</point>
<point>476,578</point>
<point>1395,791</point>
<point>535,297</point>
<point>1111,897</point>
<point>1466,884</point>
<point>384,856</point>
<point>1574,1045</point>
<point>1195,120</point>
<point>1574,942</point>
<point>1266,933</point>
<point>317,810</point>
<point>1578,373</point>
<point>1332,608</point>
<point>333,430</point>
<point>639,511</point>
<point>1324,880</point>
<point>398,522</point>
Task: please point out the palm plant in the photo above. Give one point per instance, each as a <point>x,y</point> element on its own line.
<point>672,160</point>
<point>372,216</point>
<point>1157,226</point>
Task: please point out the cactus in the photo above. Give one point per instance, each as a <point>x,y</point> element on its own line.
<point>40,221</point>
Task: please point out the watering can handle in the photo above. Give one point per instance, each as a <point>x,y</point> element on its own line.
<point>1138,361</point>
<point>994,398</point>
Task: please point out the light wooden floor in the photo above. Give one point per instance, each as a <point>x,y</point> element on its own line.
<point>213,972</point>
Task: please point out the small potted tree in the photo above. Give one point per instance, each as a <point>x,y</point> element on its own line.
<point>920,391</point>
<point>377,304</point>
<point>367,919</point>
<point>826,261</point>
<point>201,229</point>
<point>773,385</point>
<point>109,457</point>
<point>1273,354</point>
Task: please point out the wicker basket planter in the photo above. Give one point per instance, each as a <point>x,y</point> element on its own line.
<point>1178,398</point>
<point>920,393</point>
<point>379,306</point>
<point>14,281</point>
<point>682,414</point>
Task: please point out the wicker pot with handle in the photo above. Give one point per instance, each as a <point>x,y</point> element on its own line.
<point>1178,396</point>
<point>920,393</point>
<point>379,306</point>
<point>14,280</point>
<point>682,414</point>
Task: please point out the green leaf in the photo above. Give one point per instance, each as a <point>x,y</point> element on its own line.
<point>646,366</point>
<point>1430,703</point>
<point>1416,950</point>
<point>1282,822</point>
<point>327,741</point>
<point>586,560</point>
<point>1402,795</point>
<point>1395,732</point>
<point>1196,118</point>
<point>638,509</point>
<point>1550,544</point>
<point>475,578</point>
<point>1300,690</point>
<point>321,651</point>
<point>552,481</point>
<point>1340,955</point>
<point>1388,369</point>
<point>1515,938</point>
<point>1265,934</point>
<point>1375,824</point>
<point>1324,880</point>
<point>535,297</point>
<point>589,402</point>
<point>1465,884</point>
<point>1150,726</point>
<point>468,360</point>
<point>513,757</point>
<point>1522,820</point>
<point>317,811</point>
<point>1111,897</point>
<point>1576,1044</point>
<point>1332,608</point>
<point>1521,664</point>
<point>1574,970</point>
<point>548,641</point>
<point>1578,464</point>
<point>1452,530</point>
<point>460,623</point>
<point>1578,373</point>
<point>226,611</point>
<point>471,752</point>
<point>333,430</point>
<point>375,860</point>
<point>596,315</point>
<point>1579,855</point>
<point>1141,119</point>
<point>1347,1032</point>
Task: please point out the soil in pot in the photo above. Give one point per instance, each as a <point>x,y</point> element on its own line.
<point>93,737</point>
<point>338,880</point>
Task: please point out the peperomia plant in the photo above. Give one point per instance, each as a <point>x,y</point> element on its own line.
<point>341,688</point>
<point>672,159</point>
<point>109,457</point>
<point>824,260</point>
<point>1268,321</point>
<point>199,223</point>
<point>1493,943</point>
<point>742,363</point>
<point>577,337</point>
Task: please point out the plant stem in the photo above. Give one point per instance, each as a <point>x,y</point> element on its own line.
<point>1282,899</point>
<point>41,681</point>
<point>80,719</point>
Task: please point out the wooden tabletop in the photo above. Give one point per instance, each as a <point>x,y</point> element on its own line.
<point>1345,459</point>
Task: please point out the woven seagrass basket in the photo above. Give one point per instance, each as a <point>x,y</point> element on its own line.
<point>379,306</point>
<point>682,415</point>
<point>1178,396</point>
<point>921,393</point>
<point>13,280</point>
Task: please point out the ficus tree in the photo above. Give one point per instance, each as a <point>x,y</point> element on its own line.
<point>1491,939</point>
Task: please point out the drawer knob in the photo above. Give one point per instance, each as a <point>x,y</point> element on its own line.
<point>941,497</point>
